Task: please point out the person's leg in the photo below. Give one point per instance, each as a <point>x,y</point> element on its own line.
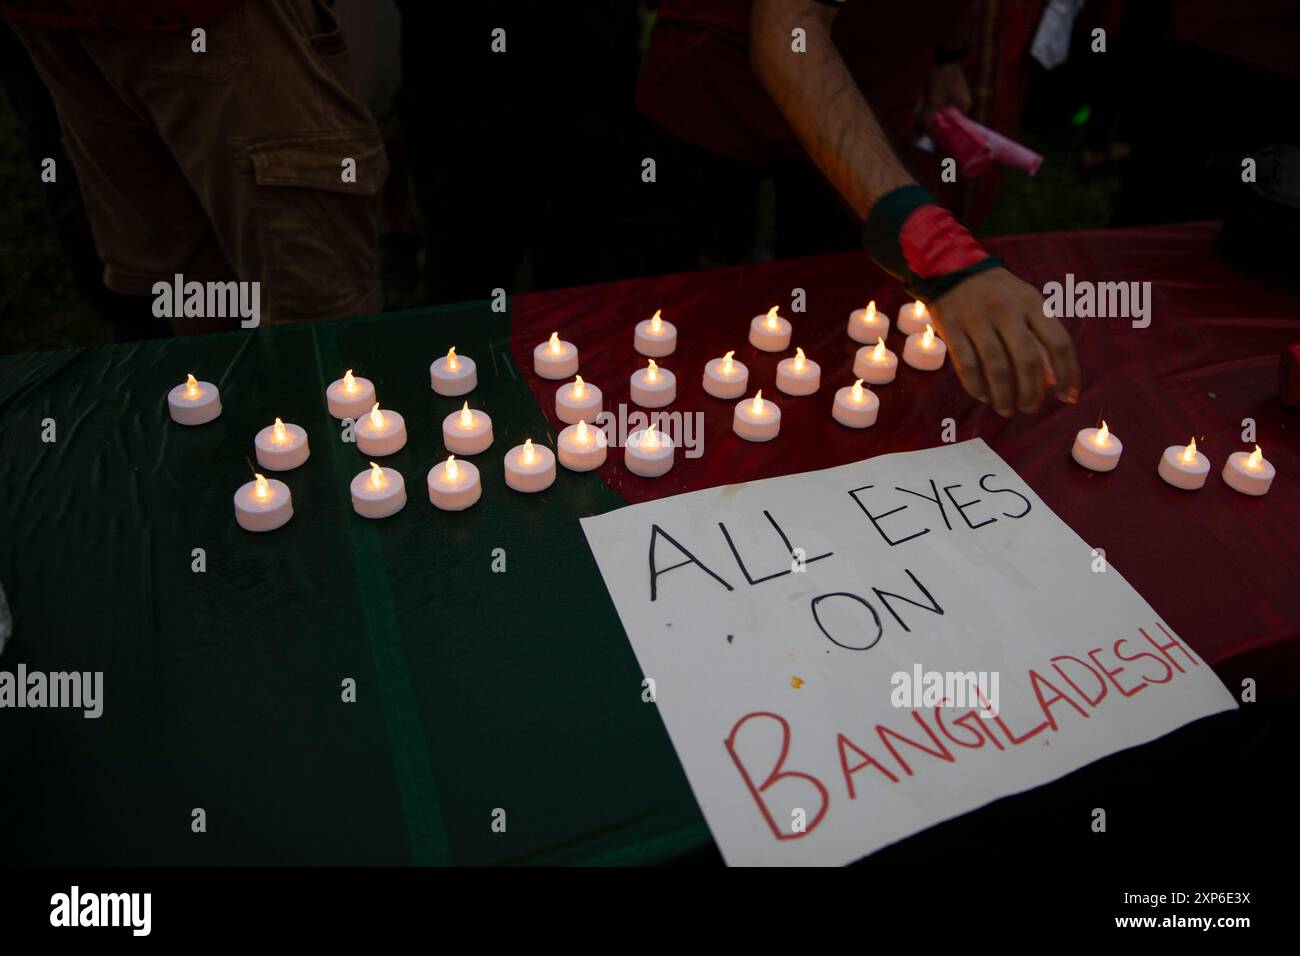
<point>284,159</point>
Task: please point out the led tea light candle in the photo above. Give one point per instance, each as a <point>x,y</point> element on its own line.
<point>378,492</point>
<point>756,420</point>
<point>648,453</point>
<point>769,333</point>
<point>653,387</point>
<point>349,397</point>
<point>554,359</point>
<point>867,325</point>
<point>1097,449</point>
<point>263,505</point>
<point>381,432</point>
<point>875,364</point>
<point>924,351</point>
<point>577,401</point>
<point>1251,474</point>
<point>1184,468</point>
<point>655,337</point>
<point>467,432</point>
<point>453,374</point>
<point>855,406</point>
<point>725,377</point>
<point>454,485</point>
<point>530,468</point>
<point>913,318</point>
<point>582,448</point>
<point>280,447</point>
<point>194,402</point>
<point>798,375</point>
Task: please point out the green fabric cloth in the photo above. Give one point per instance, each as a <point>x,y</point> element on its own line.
<point>476,690</point>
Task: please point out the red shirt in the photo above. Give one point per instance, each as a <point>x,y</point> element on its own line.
<point>698,84</point>
<point>116,14</point>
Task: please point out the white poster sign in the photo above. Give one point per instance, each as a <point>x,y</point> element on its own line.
<point>845,657</point>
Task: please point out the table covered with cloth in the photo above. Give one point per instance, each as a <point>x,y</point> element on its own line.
<point>455,688</point>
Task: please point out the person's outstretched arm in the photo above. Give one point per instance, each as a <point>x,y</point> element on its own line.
<point>991,321</point>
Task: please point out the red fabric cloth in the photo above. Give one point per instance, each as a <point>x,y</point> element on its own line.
<point>1220,567</point>
<point>116,14</point>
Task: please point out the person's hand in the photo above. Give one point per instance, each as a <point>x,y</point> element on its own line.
<point>1005,350</point>
<point>946,86</point>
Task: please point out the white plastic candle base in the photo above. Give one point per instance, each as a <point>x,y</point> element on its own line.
<point>853,414</point>
<point>452,382</point>
<point>199,410</point>
<point>793,382</point>
<point>448,494</point>
<point>769,340</point>
<point>923,359</point>
<point>388,439</point>
<point>648,459</point>
<point>1249,481</point>
<point>263,514</point>
<point>752,427</point>
<point>578,455</point>
<point>1180,473</point>
<point>276,456</point>
<point>1096,457</point>
<point>867,331</point>
<point>655,346</point>
<point>654,394</point>
<point>473,440</point>
<point>371,502</point>
<point>530,477</point>
<point>872,372</point>
<point>571,409</point>
<point>556,365</point>
<point>908,321</point>
<point>343,404</point>
<point>720,385</point>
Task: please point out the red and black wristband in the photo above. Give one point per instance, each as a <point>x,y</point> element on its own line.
<point>912,237</point>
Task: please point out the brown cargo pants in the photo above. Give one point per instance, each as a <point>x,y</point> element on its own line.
<point>225,164</point>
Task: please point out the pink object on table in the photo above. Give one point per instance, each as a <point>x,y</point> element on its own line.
<point>974,146</point>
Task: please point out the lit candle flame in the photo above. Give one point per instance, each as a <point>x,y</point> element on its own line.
<point>656,323</point>
<point>649,438</point>
<point>728,366</point>
<point>453,469</point>
<point>758,408</point>
<point>582,432</point>
<point>772,322</point>
<point>278,433</point>
<point>453,363</point>
<point>918,309</point>
<point>927,337</point>
<point>1256,457</point>
<point>555,343</point>
<point>349,383</point>
<point>376,417</point>
<point>652,372</point>
<point>878,353</point>
<point>261,487</point>
<point>466,419</point>
<point>1189,453</point>
<point>857,392</point>
<point>579,387</point>
<point>870,315</point>
<point>529,456</point>
<point>191,386</point>
<point>799,360</point>
<point>376,476</point>
<point>1103,434</point>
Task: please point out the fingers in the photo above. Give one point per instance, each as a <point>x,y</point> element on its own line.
<point>1026,362</point>
<point>1061,352</point>
<point>967,364</point>
<point>997,369</point>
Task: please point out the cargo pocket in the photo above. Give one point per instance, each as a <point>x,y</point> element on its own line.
<point>317,222</point>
